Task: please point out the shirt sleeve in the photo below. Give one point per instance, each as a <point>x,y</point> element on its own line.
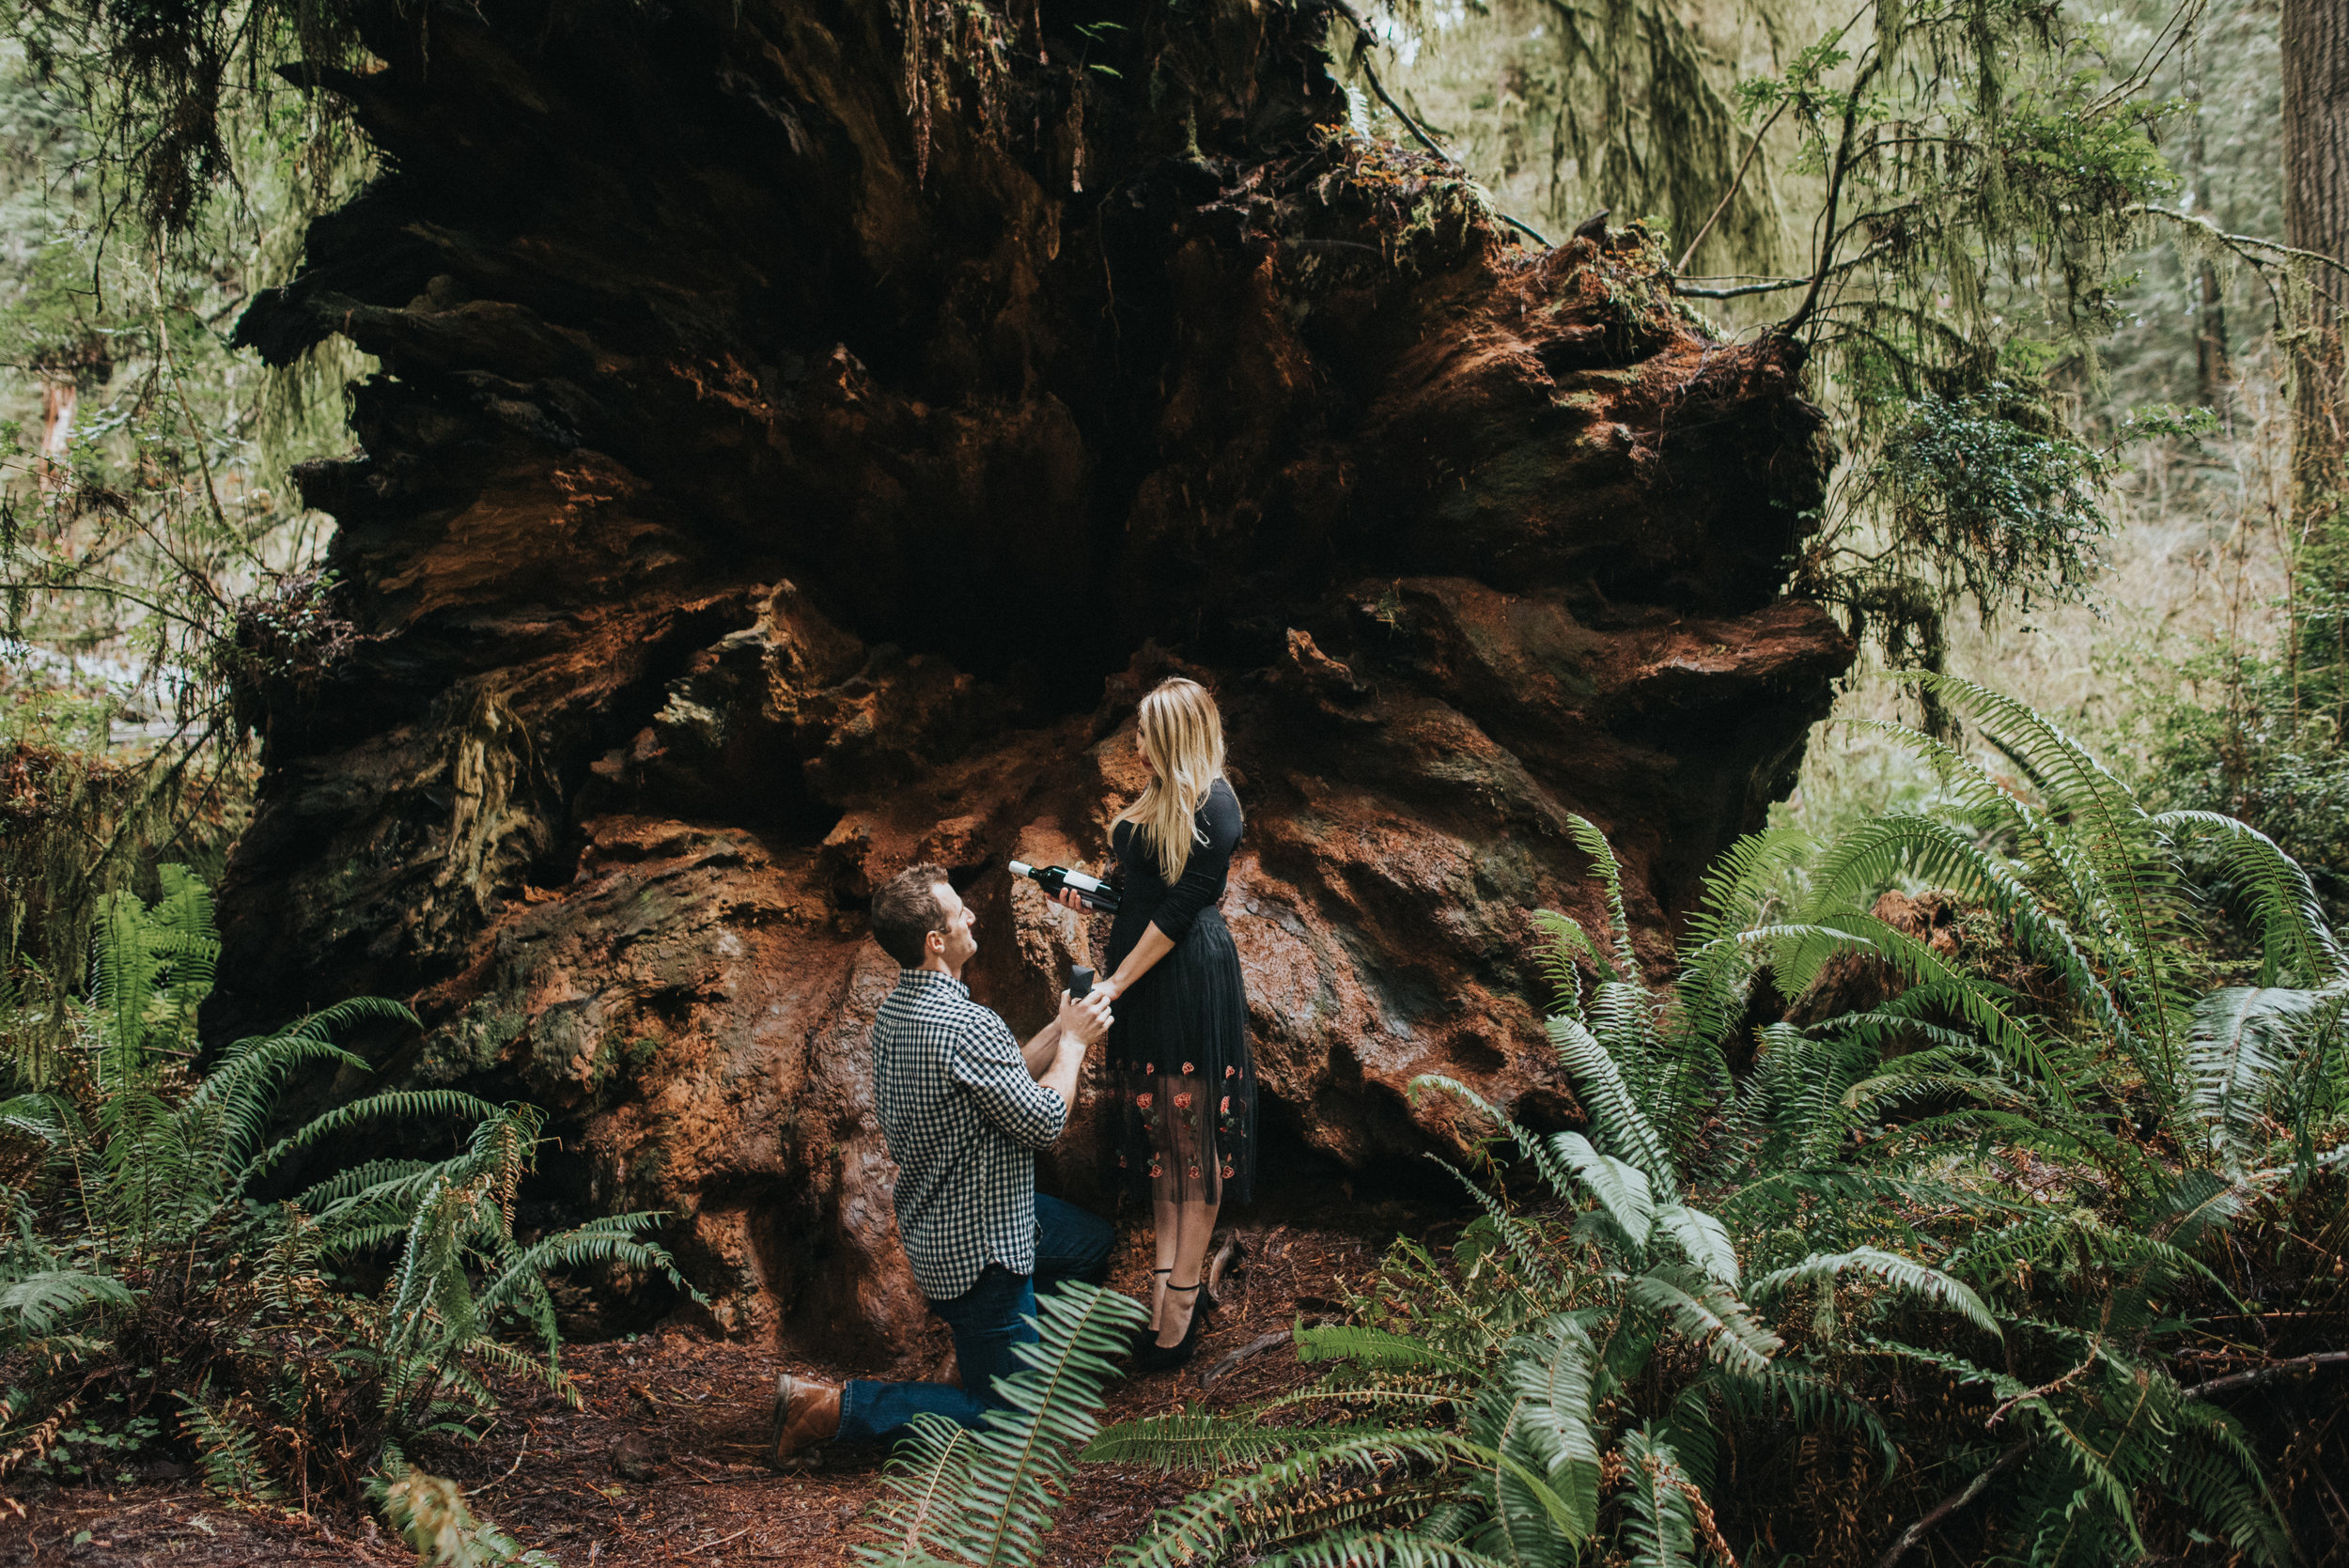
<point>1209,865</point>
<point>985,1061</point>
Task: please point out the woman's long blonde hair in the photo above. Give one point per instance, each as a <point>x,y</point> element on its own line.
<point>1183,734</point>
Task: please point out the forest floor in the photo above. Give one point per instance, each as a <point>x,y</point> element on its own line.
<point>550,1475</point>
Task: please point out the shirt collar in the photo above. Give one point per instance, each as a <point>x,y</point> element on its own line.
<point>923,979</point>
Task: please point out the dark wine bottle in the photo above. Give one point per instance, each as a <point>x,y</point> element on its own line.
<point>1096,894</point>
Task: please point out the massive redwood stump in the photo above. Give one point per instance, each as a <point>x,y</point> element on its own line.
<point>771,481</point>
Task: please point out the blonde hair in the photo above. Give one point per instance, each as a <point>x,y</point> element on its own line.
<point>1184,735</point>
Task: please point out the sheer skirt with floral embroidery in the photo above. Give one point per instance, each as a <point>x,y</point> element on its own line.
<point>1179,1052</point>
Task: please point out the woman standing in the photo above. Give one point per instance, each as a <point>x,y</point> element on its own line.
<point>1179,1048</point>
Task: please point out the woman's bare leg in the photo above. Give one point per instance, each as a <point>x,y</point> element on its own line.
<point>1167,1230</point>
<point>1184,1203</point>
<point>1194,1223</point>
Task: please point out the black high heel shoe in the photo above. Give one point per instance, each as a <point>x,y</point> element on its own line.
<point>1147,1335</point>
<point>1166,1357</point>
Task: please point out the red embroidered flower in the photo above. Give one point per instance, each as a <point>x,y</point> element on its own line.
<point>1195,1173</point>
<point>1187,1069</point>
<point>1143,1101</point>
<point>1155,1172</point>
<point>1227,1105</point>
<point>1182,1102</point>
<point>1147,1068</point>
<point>1231,1072</point>
<point>1227,1172</point>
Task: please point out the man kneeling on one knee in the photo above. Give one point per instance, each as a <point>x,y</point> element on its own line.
<point>964,1107</point>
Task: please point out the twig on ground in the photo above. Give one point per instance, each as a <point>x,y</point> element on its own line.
<point>1248,1352</point>
<point>1221,1260</point>
<point>719,1542</point>
<point>524,1453</point>
<point>2253,1377</point>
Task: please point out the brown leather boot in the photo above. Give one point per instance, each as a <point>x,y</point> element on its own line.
<point>806,1413</point>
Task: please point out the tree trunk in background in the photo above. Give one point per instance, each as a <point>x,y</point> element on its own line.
<point>771,482</point>
<point>2315,39</point>
<point>2210,307</point>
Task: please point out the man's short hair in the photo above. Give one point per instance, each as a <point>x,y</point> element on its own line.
<point>906,911</point>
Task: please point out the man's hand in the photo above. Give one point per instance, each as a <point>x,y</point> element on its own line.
<point>1086,1021</point>
<point>1079,1025</point>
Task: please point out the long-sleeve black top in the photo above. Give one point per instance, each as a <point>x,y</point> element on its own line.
<point>1147,900</point>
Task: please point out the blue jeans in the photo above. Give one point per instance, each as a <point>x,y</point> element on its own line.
<point>988,1320</point>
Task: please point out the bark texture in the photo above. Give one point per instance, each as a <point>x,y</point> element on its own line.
<point>805,429</point>
<point>2315,48</point>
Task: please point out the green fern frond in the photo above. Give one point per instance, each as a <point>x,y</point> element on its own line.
<point>1217,1516</point>
<point>228,1449</point>
<point>1661,1524</point>
<point>1383,1548</point>
<point>2219,1475</point>
<point>431,1515</point>
<point>48,1302</point>
<point>1702,1239</point>
<point>1207,1440</point>
<point>1563,940</point>
<point>1875,854</point>
<point>1532,1147</point>
<point>1902,1274</point>
<point>1552,1371</point>
<point>2240,1047</point>
<point>1621,1188</point>
<point>1524,1243</point>
<point>2069,1240</point>
<point>1005,1480</point>
<point>420,1104</point>
<point>368,1177</point>
<point>1710,1315</point>
<point>2091,1461</point>
<point>1533,1522</point>
<point>240,1091</point>
<point>1614,1115</point>
<point>1373,1347</point>
<point>1593,843</point>
<point>2295,938</point>
<point>606,1240</point>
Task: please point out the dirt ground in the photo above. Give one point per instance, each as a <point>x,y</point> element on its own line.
<point>550,1475</point>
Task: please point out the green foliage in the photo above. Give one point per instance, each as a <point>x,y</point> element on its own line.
<point>147,535</point>
<point>1861,1277</point>
<point>144,1273</point>
<point>431,1515</point>
<point>1989,495</point>
<point>1940,199</point>
<point>973,1499</point>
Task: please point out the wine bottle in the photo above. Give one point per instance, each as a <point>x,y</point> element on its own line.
<point>1096,894</point>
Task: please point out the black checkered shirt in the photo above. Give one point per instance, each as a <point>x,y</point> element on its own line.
<point>964,1118</point>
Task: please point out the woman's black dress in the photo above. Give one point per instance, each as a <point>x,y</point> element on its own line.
<point>1179,1048</point>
